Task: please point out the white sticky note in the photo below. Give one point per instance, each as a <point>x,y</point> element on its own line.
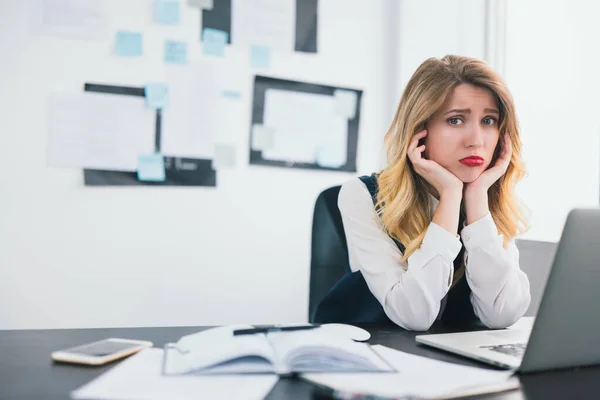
<point>203,4</point>
<point>262,137</point>
<point>345,103</point>
<point>224,157</point>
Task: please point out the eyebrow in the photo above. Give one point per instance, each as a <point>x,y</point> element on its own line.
<point>468,111</point>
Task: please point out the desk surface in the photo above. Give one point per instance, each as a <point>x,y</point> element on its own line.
<point>26,371</point>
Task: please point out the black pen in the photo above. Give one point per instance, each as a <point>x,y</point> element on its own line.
<point>269,329</point>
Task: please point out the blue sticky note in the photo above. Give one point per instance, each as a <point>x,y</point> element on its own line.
<point>128,44</point>
<point>151,167</point>
<point>231,94</point>
<point>331,156</point>
<point>260,56</point>
<point>214,41</point>
<point>166,12</point>
<point>157,95</point>
<point>176,52</point>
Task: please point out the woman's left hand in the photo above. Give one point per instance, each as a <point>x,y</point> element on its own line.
<point>491,175</point>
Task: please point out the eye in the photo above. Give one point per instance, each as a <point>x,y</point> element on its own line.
<point>489,121</point>
<point>454,121</point>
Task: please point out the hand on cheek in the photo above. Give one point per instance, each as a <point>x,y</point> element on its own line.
<point>495,170</point>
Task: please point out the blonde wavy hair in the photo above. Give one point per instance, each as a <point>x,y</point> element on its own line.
<point>403,200</point>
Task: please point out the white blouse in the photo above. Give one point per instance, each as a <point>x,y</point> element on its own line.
<point>410,292</point>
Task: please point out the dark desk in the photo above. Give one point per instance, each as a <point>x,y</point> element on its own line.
<point>26,371</point>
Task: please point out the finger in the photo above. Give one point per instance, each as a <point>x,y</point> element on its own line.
<point>415,155</point>
<point>504,159</point>
<point>415,140</point>
<point>509,147</point>
<point>420,135</point>
<point>506,149</point>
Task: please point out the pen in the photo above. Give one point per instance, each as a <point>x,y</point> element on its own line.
<point>251,331</point>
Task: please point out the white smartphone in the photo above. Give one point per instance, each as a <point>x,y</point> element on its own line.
<point>100,352</point>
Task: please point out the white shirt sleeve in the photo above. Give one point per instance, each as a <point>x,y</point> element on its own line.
<point>409,292</point>
<point>499,289</point>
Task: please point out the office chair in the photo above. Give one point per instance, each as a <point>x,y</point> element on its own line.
<point>329,251</point>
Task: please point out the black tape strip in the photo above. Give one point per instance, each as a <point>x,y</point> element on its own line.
<point>110,89</point>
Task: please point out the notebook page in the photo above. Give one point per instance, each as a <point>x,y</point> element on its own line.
<point>420,377</point>
<point>215,347</point>
<point>315,350</point>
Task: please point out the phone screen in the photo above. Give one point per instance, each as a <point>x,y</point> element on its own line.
<point>101,349</point>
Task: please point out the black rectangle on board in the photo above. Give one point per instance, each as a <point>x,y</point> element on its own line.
<point>178,172</point>
<point>219,17</point>
<point>306,22</point>
<point>262,83</point>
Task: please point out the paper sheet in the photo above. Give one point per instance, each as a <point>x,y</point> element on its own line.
<point>304,124</point>
<point>139,377</point>
<point>74,19</point>
<point>99,131</point>
<point>198,114</point>
<point>269,23</point>
<point>418,376</point>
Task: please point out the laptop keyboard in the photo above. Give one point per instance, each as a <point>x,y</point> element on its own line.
<point>512,349</point>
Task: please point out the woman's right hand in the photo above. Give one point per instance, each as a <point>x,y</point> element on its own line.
<point>439,177</point>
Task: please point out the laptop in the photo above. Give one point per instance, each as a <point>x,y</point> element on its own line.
<point>566,330</point>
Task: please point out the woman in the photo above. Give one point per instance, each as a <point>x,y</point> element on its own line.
<point>454,157</point>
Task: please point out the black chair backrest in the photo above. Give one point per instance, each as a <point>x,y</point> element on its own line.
<point>329,251</point>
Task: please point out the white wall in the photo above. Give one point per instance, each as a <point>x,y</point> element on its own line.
<point>74,256</point>
<point>551,67</point>
<point>430,28</point>
<point>433,28</point>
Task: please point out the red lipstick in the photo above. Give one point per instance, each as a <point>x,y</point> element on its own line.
<point>472,161</point>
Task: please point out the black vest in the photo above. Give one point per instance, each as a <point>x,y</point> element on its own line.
<point>351,301</point>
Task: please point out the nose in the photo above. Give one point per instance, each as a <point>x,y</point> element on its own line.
<point>474,138</point>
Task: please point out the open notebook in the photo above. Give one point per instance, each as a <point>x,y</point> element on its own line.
<point>218,351</point>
